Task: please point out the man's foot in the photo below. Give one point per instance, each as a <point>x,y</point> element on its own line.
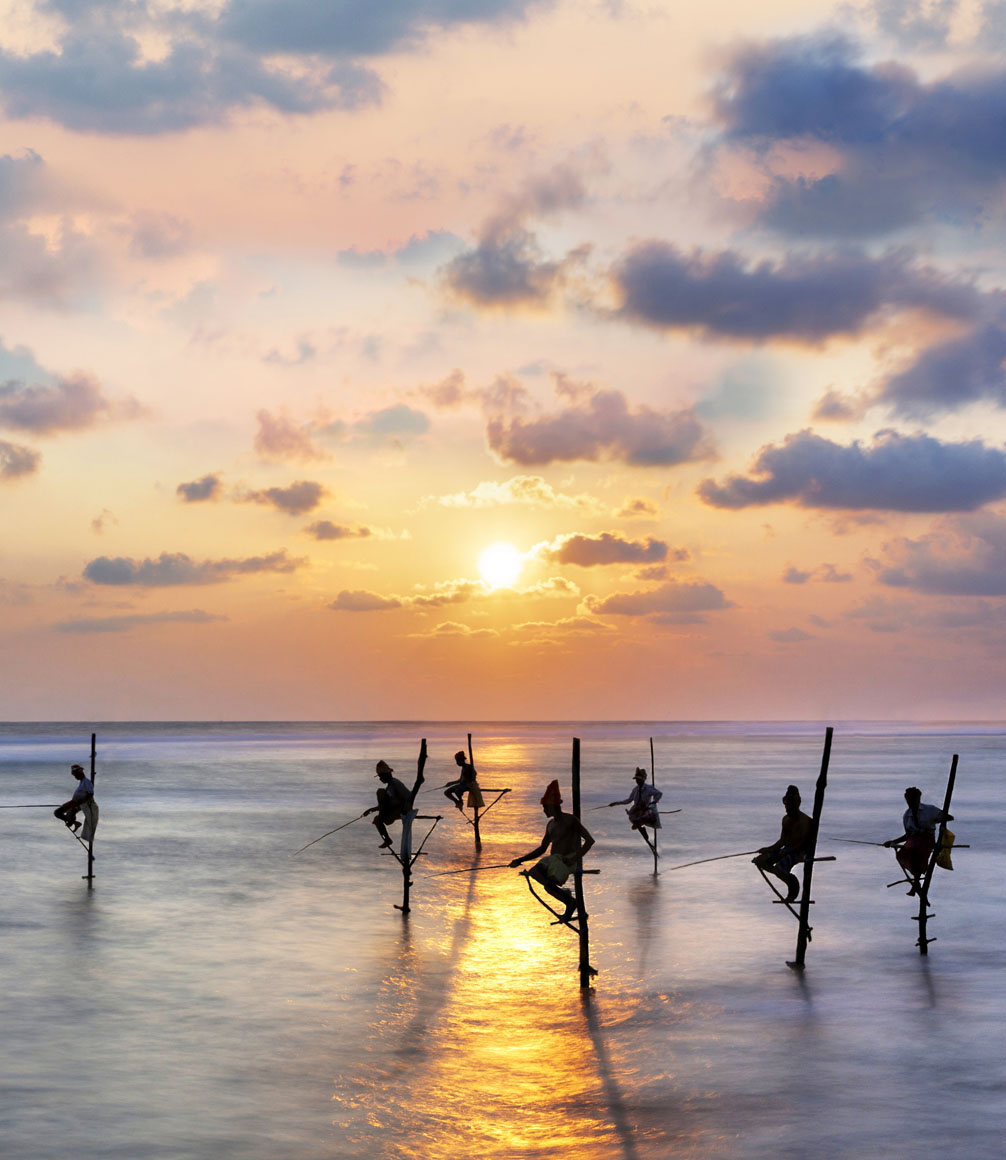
<point>792,888</point>
<point>914,890</point>
<point>568,914</point>
<point>385,844</point>
<point>459,805</point>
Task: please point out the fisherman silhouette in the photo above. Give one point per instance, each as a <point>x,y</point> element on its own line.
<point>915,845</point>
<point>467,783</point>
<point>791,848</point>
<point>393,800</point>
<point>569,841</point>
<point>642,803</point>
<point>84,793</point>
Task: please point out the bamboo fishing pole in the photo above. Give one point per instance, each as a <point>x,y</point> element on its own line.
<point>718,858</point>
<point>335,831</point>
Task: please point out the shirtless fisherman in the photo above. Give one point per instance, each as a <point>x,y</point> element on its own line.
<point>791,848</point>
<point>67,812</point>
<point>393,800</point>
<point>467,783</point>
<point>642,803</point>
<point>569,841</point>
<point>913,847</point>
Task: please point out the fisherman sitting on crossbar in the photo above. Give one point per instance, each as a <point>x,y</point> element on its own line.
<point>569,841</point>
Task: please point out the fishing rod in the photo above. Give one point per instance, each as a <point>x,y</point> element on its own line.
<point>335,831</point>
<point>33,806</point>
<point>717,859</point>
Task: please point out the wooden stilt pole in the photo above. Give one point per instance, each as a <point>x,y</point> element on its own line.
<point>653,782</point>
<point>90,842</point>
<point>478,835</point>
<point>405,855</point>
<point>586,970</point>
<point>803,937</point>
<point>924,942</point>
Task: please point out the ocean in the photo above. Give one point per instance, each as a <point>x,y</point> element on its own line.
<point>214,996</point>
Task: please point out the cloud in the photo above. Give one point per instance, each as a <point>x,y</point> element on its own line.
<point>907,473</point>
<point>296,499</point>
<point>567,625</point>
<point>200,490</point>
<point>606,548</point>
<point>638,508</point>
<point>600,425</point>
<point>176,568</point>
<point>104,517</point>
<point>454,628</point>
<point>69,404</point>
<point>94,624</point>
<point>803,297</point>
<point>359,600</point>
<point>326,530</point>
<point>520,490</point>
<point>795,576</point>
<point>905,151</point>
<point>278,438</point>
<point>159,236</point>
<point>16,461</point>
<point>826,573</point>
<point>790,636</point>
<point>673,597</point>
<point>399,419</point>
<point>965,556</point>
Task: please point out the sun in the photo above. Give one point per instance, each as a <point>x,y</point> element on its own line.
<point>500,565</point>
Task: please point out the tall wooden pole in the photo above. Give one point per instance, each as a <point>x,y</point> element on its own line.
<point>585,967</point>
<point>471,762</point>
<point>90,841</point>
<point>931,865</point>
<point>808,867</point>
<point>408,817</point>
<point>653,782</point>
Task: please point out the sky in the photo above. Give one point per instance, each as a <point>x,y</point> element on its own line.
<point>698,311</point>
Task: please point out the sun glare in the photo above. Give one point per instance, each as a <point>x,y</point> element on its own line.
<point>500,565</point>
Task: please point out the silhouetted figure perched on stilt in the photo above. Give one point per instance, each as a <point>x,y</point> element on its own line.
<point>393,800</point>
<point>82,796</point>
<point>915,845</point>
<point>467,783</point>
<point>791,848</point>
<point>642,803</point>
<point>569,842</point>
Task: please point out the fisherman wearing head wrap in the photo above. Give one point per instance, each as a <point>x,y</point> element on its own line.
<point>467,783</point>
<point>642,803</point>
<point>393,800</point>
<point>915,845</point>
<point>569,842</point>
<point>84,793</point>
<point>791,848</point>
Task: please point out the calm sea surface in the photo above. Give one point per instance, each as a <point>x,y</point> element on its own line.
<point>213,997</point>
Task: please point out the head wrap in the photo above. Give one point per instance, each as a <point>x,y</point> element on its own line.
<point>552,796</point>
<point>792,792</point>
<point>640,772</point>
<point>384,767</point>
<point>460,754</point>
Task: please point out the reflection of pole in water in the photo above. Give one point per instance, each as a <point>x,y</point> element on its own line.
<point>612,1094</point>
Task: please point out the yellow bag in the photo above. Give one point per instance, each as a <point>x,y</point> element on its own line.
<point>943,857</point>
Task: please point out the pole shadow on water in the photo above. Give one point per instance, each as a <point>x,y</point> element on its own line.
<point>606,1074</point>
<point>643,900</point>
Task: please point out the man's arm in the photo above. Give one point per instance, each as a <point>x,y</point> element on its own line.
<point>537,851</point>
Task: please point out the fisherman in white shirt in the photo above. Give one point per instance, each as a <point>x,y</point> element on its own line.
<point>67,812</point>
<point>915,845</point>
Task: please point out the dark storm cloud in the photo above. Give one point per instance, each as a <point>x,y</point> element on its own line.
<point>296,499</point>
<point>807,298</point>
<point>92,624</point>
<point>962,557</point>
<point>907,473</point>
<point>97,78</point>
<point>606,548</point>
<point>176,568</point>
<point>598,426</point>
<point>200,490</point>
<point>16,461</point>
<point>907,149</point>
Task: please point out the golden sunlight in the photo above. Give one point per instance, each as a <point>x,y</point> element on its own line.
<point>500,565</point>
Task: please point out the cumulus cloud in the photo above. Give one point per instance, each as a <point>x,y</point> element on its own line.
<point>360,600</point>
<point>826,573</point>
<point>908,473</point>
<point>394,421</point>
<point>521,490</point>
<point>176,568</point>
<point>68,404</point>
<point>905,150</point>
<point>803,297</point>
<point>596,425</point>
<point>278,438</point>
<point>16,460</point>
<point>326,530</point>
<point>201,490</point>
<point>795,576</point>
<point>673,597</point>
<point>965,556</point>
<point>296,499</point>
<point>606,548</point>
<point>638,508</point>
<point>454,628</point>
<point>93,624</point>
<point>450,592</point>
<point>790,635</point>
